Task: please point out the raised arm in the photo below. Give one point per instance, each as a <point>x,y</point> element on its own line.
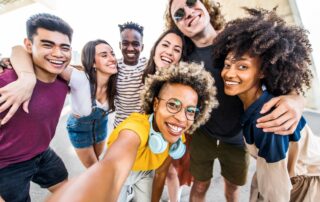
<point>19,91</point>
<point>284,118</point>
<point>103,180</point>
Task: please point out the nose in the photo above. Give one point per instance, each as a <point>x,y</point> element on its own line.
<point>188,12</point>
<point>56,51</point>
<point>130,47</point>
<point>230,73</point>
<point>169,51</point>
<point>181,115</point>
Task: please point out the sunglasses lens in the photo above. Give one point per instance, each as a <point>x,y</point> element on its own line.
<point>190,3</point>
<point>179,14</point>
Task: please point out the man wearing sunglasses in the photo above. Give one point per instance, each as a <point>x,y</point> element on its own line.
<point>221,137</point>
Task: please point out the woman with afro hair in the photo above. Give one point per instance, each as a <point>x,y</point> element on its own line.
<point>262,57</point>
<point>176,100</point>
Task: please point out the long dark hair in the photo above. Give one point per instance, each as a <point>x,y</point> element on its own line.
<point>87,59</point>
<point>151,66</point>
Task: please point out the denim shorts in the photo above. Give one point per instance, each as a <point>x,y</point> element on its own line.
<point>88,130</point>
<point>46,169</point>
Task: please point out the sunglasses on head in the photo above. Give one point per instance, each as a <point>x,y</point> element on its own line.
<point>180,13</point>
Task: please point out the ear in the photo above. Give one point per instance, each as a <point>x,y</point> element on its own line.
<point>28,44</point>
<point>155,104</point>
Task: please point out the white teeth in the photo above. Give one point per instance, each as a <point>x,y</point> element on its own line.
<point>175,129</point>
<point>56,62</point>
<point>131,54</point>
<point>166,59</point>
<point>231,83</point>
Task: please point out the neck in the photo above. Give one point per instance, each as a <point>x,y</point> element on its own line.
<point>205,38</point>
<point>44,76</point>
<point>248,98</point>
<point>102,80</point>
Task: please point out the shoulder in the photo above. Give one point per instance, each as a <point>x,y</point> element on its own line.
<point>7,76</point>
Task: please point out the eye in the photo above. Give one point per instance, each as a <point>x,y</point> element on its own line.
<point>174,105</point>
<point>226,66</point>
<point>243,67</point>
<point>47,45</point>
<point>65,48</point>
<point>165,45</point>
<point>177,50</point>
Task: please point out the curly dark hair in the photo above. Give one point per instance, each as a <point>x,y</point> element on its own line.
<point>284,50</point>
<point>131,25</point>
<point>190,74</point>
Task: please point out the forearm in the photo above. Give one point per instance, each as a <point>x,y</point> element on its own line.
<point>21,60</point>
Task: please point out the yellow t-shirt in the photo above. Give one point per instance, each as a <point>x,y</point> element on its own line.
<point>145,159</point>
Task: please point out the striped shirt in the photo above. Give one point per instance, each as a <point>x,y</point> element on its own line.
<point>129,86</point>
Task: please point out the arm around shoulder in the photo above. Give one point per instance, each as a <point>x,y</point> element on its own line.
<point>284,119</point>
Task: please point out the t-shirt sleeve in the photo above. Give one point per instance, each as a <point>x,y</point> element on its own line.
<point>272,147</point>
<point>80,93</point>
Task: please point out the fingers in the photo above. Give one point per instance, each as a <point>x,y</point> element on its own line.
<point>286,128</point>
<point>269,105</point>
<point>275,114</point>
<point>25,106</point>
<point>5,104</point>
<point>10,113</point>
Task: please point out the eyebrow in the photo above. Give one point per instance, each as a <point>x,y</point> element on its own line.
<point>170,43</point>
<point>51,42</point>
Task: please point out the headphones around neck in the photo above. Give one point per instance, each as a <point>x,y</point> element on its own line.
<point>158,144</point>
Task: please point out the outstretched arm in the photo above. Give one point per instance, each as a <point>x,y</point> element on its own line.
<point>103,180</point>
<point>285,117</point>
<point>19,91</point>
<point>159,180</point>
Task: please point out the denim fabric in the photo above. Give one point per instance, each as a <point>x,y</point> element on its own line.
<point>88,130</point>
<point>46,169</point>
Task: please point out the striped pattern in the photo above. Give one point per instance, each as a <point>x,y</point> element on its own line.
<point>129,86</point>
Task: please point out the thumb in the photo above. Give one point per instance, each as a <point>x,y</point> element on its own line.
<point>25,106</point>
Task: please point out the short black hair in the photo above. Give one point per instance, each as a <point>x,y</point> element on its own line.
<point>284,49</point>
<point>49,22</point>
<point>131,25</point>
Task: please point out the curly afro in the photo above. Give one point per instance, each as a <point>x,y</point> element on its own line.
<point>284,50</point>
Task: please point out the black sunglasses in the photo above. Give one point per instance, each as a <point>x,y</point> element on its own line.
<point>180,13</point>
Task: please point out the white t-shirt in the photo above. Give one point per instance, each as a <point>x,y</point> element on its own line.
<point>80,94</point>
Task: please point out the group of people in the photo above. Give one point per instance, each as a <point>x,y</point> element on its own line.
<point>209,90</point>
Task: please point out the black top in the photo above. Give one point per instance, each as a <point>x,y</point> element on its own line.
<point>224,123</point>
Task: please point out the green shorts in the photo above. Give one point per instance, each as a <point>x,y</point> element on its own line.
<point>234,160</point>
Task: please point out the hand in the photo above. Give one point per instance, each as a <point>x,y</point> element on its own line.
<point>284,119</point>
<point>16,93</point>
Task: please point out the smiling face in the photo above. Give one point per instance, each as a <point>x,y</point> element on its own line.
<point>105,61</point>
<point>51,53</point>
<point>131,46</point>
<point>195,20</point>
<point>168,51</point>
<point>242,77</point>
<point>172,126</point>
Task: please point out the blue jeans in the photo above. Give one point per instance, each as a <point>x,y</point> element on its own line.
<point>46,169</point>
<point>88,130</point>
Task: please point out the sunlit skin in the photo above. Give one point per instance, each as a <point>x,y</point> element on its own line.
<point>131,46</point>
<point>242,77</point>
<point>105,60</point>
<point>172,126</point>
<point>196,20</point>
<point>168,51</point>
<point>51,53</point>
